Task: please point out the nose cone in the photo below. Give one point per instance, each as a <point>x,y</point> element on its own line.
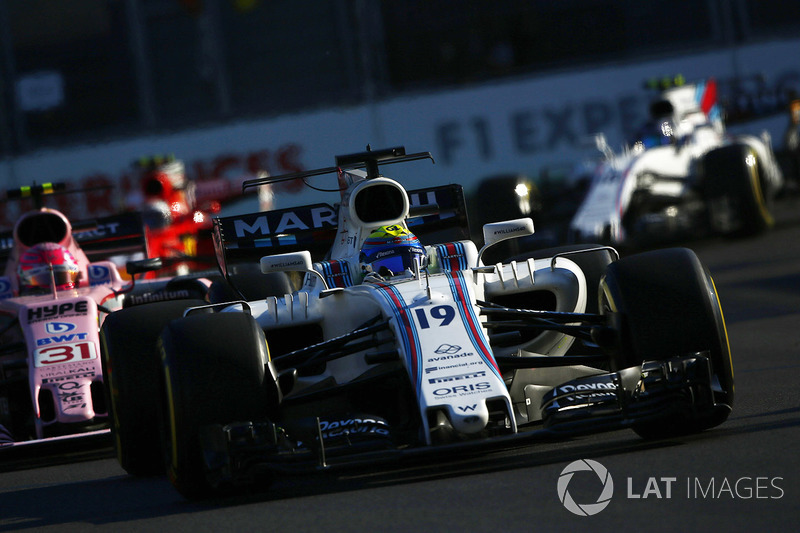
<point>470,418</point>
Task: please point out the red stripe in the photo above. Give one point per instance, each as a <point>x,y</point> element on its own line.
<point>452,252</point>
<point>709,97</point>
<point>407,326</point>
<point>476,332</point>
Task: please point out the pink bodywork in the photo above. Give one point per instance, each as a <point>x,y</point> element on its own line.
<point>62,339</point>
<point>60,330</point>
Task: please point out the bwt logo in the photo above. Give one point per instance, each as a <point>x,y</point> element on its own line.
<point>448,349</point>
<point>58,327</point>
<point>585,509</point>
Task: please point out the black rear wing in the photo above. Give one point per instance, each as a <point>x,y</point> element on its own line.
<point>99,238</point>
<point>368,160</point>
<point>247,238</point>
<point>104,237</point>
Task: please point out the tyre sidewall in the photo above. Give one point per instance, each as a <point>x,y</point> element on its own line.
<point>131,365</point>
<point>731,176</point>
<point>213,373</point>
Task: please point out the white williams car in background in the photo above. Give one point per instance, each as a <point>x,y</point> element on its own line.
<point>682,176</point>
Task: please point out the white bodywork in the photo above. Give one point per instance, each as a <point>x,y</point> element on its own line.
<point>692,133</point>
<point>435,321</point>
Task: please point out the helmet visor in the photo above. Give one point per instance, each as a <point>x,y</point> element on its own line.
<point>396,260</point>
<point>65,278</point>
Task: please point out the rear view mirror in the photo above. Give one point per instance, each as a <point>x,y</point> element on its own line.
<point>295,262</point>
<point>289,262</point>
<point>140,266</point>
<point>508,229</point>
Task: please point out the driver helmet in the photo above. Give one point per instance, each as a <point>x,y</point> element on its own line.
<point>157,215</point>
<point>34,268</point>
<point>164,171</point>
<point>391,250</point>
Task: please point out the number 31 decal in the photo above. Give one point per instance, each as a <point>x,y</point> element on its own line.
<point>64,353</point>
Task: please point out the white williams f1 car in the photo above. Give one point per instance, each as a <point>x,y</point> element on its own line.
<point>682,176</point>
<point>396,343</point>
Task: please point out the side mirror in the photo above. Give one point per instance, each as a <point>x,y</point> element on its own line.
<point>295,262</point>
<point>143,265</point>
<point>500,231</point>
<point>289,262</point>
<point>140,266</point>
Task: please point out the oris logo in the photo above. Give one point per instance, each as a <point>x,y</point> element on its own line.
<point>472,388</point>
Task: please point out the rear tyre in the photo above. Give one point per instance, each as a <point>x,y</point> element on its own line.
<point>668,307</point>
<point>733,186</point>
<point>214,373</point>
<point>131,363</point>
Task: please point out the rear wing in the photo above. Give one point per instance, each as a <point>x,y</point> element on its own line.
<point>105,237</point>
<point>99,238</point>
<point>247,238</point>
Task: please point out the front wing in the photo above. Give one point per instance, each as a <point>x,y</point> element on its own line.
<point>656,391</point>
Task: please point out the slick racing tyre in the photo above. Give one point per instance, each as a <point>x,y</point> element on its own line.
<point>733,186</point>
<point>131,364</point>
<point>668,306</point>
<point>214,373</point>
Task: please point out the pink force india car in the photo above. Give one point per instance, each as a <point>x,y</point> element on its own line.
<point>400,338</point>
<point>56,288</point>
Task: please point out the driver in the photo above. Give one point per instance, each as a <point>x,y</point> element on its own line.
<point>34,269</point>
<point>391,251</point>
<point>659,129</point>
<point>168,193</point>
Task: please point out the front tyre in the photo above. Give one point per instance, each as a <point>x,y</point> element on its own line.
<point>131,363</point>
<point>214,371</point>
<point>668,306</point>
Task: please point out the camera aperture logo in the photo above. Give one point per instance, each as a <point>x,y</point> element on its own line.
<point>595,478</point>
<point>585,509</point>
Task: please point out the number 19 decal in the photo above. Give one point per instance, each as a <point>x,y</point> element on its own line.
<point>64,353</point>
<point>444,313</point>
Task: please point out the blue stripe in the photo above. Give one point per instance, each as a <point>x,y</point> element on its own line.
<point>468,316</point>
<point>407,342</point>
<point>462,256</point>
